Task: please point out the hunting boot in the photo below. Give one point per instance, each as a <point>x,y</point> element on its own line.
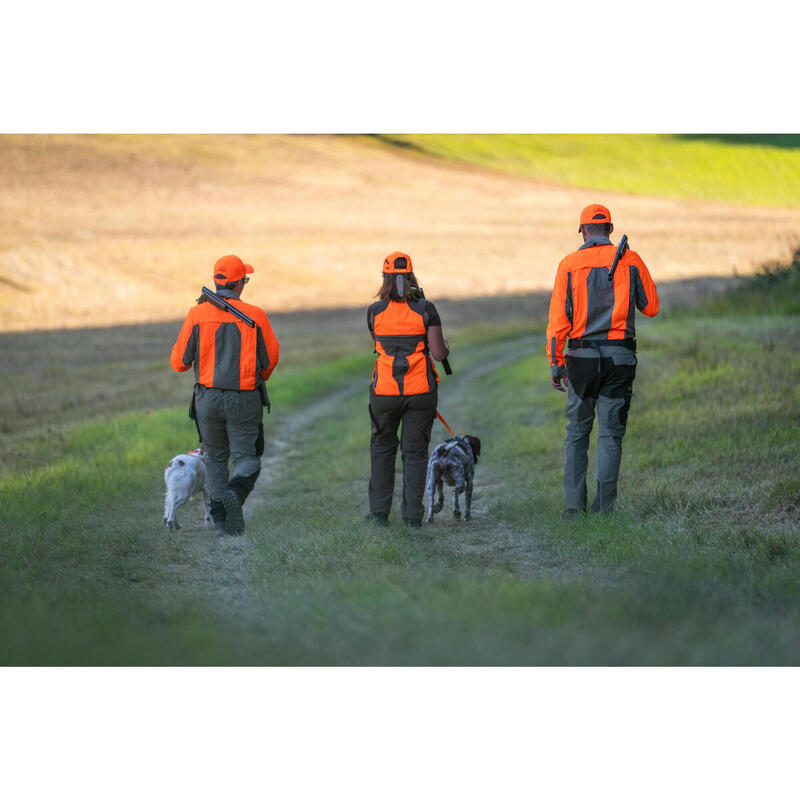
<point>218,515</point>
<point>234,519</point>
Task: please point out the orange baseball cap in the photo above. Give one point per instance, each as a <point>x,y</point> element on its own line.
<point>230,268</point>
<point>595,214</point>
<point>397,263</point>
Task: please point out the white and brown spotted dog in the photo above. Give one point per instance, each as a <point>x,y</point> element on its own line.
<point>453,461</point>
<point>185,476</point>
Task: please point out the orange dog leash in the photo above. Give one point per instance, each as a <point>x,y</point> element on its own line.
<point>441,419</point>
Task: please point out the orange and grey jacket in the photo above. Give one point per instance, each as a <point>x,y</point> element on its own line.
<point>404,365</point>
<point>586,305</point>
<point>226,353</point>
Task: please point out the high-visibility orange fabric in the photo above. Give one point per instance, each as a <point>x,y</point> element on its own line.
<point>404,365</point>
<point>585,304</point>
<point>391,265</point>
<point>594,214</point>
<point>230,269</point>
<point>226,353</point>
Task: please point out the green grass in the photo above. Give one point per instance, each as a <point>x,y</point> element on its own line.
<point>700,565</point>
<point>756,169</point>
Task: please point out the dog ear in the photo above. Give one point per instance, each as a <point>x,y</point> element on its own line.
<point>475,444</point>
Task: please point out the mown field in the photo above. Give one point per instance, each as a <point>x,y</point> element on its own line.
<point>760,169</point>
<point>700,565</point>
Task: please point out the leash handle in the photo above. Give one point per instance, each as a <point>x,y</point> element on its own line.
<point>441,419</point>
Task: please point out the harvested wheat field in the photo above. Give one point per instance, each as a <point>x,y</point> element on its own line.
<point>104,230</point>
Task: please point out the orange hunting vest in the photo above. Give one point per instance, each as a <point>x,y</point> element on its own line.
<point>226,353</point>
<point>404,365</point>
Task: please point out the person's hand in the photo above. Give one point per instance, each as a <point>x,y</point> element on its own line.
<point>555,382</point>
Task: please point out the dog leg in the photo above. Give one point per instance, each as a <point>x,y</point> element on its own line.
<point>429,490</point>
<point>456,510</point>
<point>177,503</point>
<point>440,500</point>
<point>169,512</point>
<point>468,501</point>
<point>429,515</point>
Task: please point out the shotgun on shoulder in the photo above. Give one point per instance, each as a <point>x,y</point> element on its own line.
<point>622,248</point>
<point>221,302</point>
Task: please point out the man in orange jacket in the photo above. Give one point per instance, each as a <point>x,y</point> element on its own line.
<point>598,313</point>
<point>231,363</point>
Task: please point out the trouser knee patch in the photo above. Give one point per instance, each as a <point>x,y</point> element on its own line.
<point>243,484</point>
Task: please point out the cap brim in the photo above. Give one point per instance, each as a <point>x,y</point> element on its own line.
<point>248,269</point>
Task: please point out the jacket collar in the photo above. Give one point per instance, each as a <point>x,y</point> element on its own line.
<point>595,241</point>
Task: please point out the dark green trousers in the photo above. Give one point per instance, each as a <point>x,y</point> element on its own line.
<point>416,413</point>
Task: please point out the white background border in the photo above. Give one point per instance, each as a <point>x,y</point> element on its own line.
<point>398,67</point>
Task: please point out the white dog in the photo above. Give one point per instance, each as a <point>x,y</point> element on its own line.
<point>185,476</point>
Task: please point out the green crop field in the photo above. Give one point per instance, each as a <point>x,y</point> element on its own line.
<point>760,169</point>
<point>699,566</point>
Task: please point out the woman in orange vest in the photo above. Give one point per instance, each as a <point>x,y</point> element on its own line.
<point>407,331</point>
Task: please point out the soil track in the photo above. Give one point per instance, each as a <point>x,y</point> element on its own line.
<point>216,569</point>
<point>106,230</point>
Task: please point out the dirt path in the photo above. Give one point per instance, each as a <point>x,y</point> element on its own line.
<point>486,538</point>
<point>112,230</point>
<point>216,568</point>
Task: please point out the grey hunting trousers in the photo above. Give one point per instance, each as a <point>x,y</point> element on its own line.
<point>231,427</point>
<point>596,385</point>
